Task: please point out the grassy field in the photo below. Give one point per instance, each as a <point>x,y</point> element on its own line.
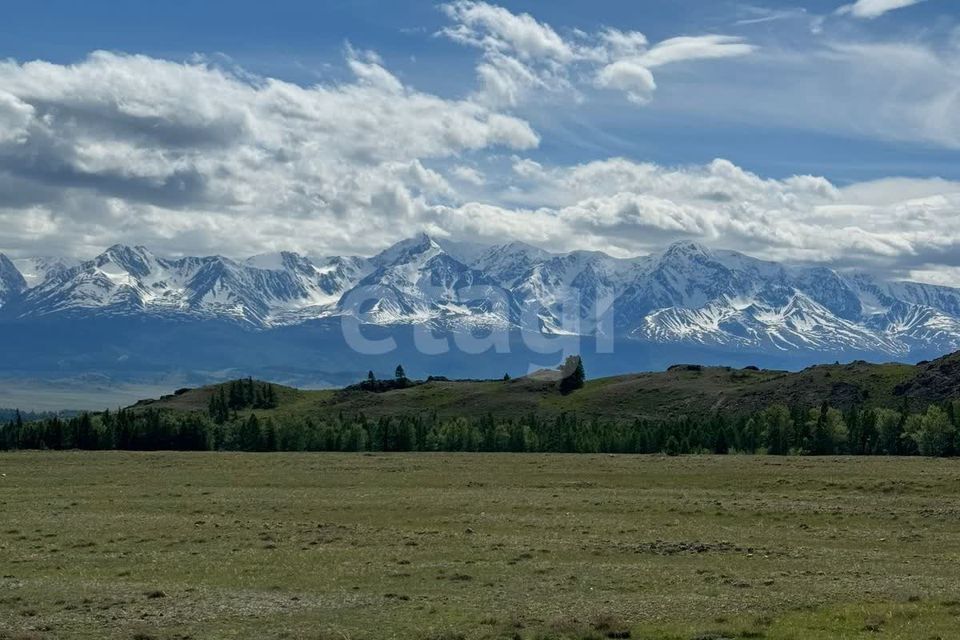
<point>208,546</point>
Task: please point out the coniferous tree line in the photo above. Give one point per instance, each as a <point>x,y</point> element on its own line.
<point>238,395</point>
<point>233,424</point>
<point>399,381</point>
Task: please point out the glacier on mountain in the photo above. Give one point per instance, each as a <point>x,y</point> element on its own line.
<point>687,294</point>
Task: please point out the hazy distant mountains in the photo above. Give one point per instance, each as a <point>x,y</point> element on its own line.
<point>687,299</point>
<point>686,294</point>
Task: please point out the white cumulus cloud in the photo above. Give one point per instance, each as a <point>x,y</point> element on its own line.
<point>630,76</point>
<point>490,26</point>
<point>191,158</point>
<point>898,226</point>
<point>523,57</point>
<point>178,154</point>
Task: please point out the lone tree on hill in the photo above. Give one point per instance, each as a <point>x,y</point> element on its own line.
<point>400,374</point>
<point>573,375</point>
<point>371,377</point>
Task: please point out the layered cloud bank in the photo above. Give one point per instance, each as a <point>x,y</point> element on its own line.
<point>130,145</point>
<point>192,158</point>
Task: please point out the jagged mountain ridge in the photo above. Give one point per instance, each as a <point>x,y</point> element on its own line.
<point>12,282</point>
<point>687,294</point>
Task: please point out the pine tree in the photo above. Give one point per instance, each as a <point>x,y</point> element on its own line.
<point>672,448</point>
<point>6,436</point>
<point>16,431</point>
<point>224,408</point>
<point>400,374</point>
<point>820,434</point>
<point>218,408</point>
<point>271,397</point>
<point>84,436</point>
<point>573,375</point>
<point>720,445</point>
<point>249,436</point>
<point>236,400</point>
<point>269,436</point>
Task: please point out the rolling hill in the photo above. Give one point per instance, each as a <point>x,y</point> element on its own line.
<point>682,390</point>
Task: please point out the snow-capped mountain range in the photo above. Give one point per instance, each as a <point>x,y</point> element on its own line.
<point>688,294</point>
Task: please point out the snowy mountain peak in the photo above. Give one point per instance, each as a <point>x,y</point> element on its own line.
<point>687,294</point>
<point>40,269</point>
<point>126,252</point>
<point>136,261</point>
<point>405,250</point>
<point>509,262</point>
<point>12,281</point>
<point>679,251</point>
<point>279,261</point>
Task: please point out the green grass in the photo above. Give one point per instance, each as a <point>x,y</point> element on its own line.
<point>218,545</point>
<point>661,395</point>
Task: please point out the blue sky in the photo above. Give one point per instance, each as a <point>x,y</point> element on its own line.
<point>303,41</point>
<point>565,123</point>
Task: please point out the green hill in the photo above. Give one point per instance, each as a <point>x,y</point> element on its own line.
<point>683,390</point>
<point>856,408</point>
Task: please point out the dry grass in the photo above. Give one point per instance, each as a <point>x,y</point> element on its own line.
<point>173,546</point>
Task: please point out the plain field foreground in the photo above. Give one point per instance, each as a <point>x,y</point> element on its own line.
<point>219,545</point>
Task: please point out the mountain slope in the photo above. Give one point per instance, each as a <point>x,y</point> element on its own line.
<point>132,280</point>
<point>38,270</point>
<point>418,282</point>
<point>12,282</point>
<point>685,297</point>
<point>683,390</point>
